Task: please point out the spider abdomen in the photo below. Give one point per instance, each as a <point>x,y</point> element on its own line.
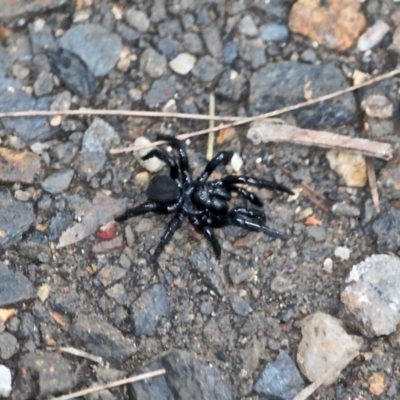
<point>163,189</point>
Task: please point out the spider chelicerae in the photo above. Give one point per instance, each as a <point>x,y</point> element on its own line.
<point>204,203</point>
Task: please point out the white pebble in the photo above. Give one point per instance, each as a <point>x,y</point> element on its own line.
<point>236,162</point>
<point>328,265</point>
<point>152,164</point>
<point>183,63</point>
<point>342,252</point>
<point>5,381</point>
<point>373,35</point>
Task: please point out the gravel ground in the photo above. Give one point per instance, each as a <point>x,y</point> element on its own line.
<point>221,329</point>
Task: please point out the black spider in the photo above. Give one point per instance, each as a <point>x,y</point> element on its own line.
<point>204,203</point>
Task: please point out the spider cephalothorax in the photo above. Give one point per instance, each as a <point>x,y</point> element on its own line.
<point>204,203</point>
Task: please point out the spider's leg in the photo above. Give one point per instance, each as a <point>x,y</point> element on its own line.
<point>209,234</point>
<point>250,212</point>
<point>221,158</point>
<point>144,208</point>
<point>174,171</point>
<point>253,198</point>
<point>237,220</point>
<point>232,179</point>
<point>172,227</point>
<point>183,159</point>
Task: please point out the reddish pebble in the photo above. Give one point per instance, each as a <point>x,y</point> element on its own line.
<point>107,231</point>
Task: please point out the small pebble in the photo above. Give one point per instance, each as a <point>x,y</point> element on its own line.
<point>236,162</point>
<point>5,381</point>
<point>328,265</point>
<point>342,252</point>
<point>248,27</point>
<point>376,383</point>
<point>183,63</point>
<point>152,164</point>
<point>137,19</point>
<point>274,32</point>
<point>373,35</point>
<point>377,106</point>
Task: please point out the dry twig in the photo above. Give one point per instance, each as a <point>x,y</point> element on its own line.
<point>264,131</point>
<point>211,136</point>
<point>372,184</point>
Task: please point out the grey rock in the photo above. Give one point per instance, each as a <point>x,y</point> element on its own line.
<point>208,269</point>
<point>15,219</point>
<point>192,43</point>
<point>44,374</point>
<point>89,164</point>
<point>158,11</point>
<point>280,284</point>
<point>35,246</point>
<point>8,345</point>
<point>253,51</point>
<point>240,306</point>
<point>58,224</point>
<point>280,380</point>
<point>99,137</point>
<point>239,273</point>
<point>169,47</point>
<point>318,233</point>
<point>212,39</point>
<point>230,52</point>
<point>127,34</point>
<point>344,209</point>
<point>147,310</point>
<point>274,32</point>
<point>386,228</point>
<point>231,85</point>
<point>5,381</point>
<point>170,27</point>
<point>58,182</point>
<point>14,288</point>
<point>102,339</point>
<point>308,56</point>
<point>61,101</point>
<point>43,84</point>
<point>268,91</point>
<point>5,62</point>
<point>23,9</point>
<point>71,70</point>
<point>185,378</point>
<point>97,47</point>
<point>206,308</point>
<point>42,38</point>
<point>152,63</point>
<point>207,69</point>
<point>15,99</point>
<point>161,91</point>
<point>137,19</point>
<point>325,347</point>
<point>372,295</point>
<point>248,27</point>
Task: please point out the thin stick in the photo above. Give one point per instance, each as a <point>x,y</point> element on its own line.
<point>120,382</point>
<point>264,131</point>
<point>117,113</point>
<point>211,136</point>
<point>316,198</point>
<point>372,184</point>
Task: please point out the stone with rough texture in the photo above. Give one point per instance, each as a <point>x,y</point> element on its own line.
<point>149,308</point>
<point>335,24</point>
<point>325,348</point>
<point>13,98</point>
<point>18,166</point>
<point>15,219</point>
<point>14,288</point>
<point>183,63</point>
<point>97,47</point>
<point>185,378</point>
<point>269,91</point>
<point>207,69</point>
<point>98,337</point>
<point>99,137</point>
<point>372,296</point>
<point>280,379</point>
<point>351,167</point>
<point>58,182</point>
<point>22,8</point>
